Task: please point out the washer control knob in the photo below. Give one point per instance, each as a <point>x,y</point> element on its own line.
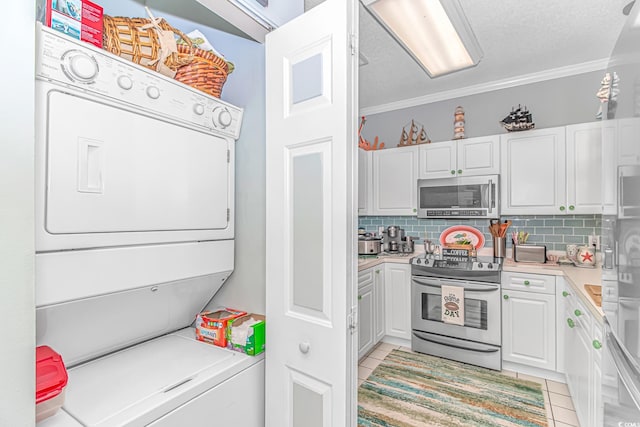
<point>221,117</point>
<point>153,92</point>
<point>125,82</point>
<point>80,66</point>
<point>198,109</point>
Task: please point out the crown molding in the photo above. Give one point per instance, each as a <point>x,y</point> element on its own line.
<point>540,76</point>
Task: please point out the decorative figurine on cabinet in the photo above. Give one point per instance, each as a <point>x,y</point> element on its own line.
<point>458,123</point>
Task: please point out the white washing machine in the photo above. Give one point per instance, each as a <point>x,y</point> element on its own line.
<point>134,236</point>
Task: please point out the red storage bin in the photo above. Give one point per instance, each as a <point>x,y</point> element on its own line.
<point>51,379</point>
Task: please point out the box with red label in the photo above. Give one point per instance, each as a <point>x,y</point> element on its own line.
<point>51,379</point>
<point>211,326</point>
<point>80,19</point>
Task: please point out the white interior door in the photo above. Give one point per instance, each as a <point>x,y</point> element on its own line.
<point>311,66</point>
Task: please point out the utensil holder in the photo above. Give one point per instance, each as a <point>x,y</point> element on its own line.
<point>499,247</point>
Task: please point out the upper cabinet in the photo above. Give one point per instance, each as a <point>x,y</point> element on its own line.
<point>395,176</point>
<point>564,170</point>
<point>464,157</point>
<point>365,183</point>
<point>628,144</point>
<point>533,172</point>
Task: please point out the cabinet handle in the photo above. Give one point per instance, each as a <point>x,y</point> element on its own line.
<point>562,208</point>
<point>415,210</point>
<point>597,345</point>
<point>453,172</point>
<point>459,171</point>
<point>359,297</point>
<point>565,294</point>
<point>570,322</point>
<point>577,312</point>
<point>527,283</point>
<point>377,271</point>
<point>571,207</point>
<point>506,297</point>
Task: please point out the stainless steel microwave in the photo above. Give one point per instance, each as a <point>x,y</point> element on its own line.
<point>462,197</point>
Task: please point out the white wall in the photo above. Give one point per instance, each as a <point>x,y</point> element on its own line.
<point>555,102</point>
<point>17,304</point>
<point>245,87</point>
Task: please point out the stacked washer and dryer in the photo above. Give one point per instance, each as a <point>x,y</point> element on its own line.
<point>134,236</point>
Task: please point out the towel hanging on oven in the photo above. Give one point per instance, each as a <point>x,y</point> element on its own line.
<point>453,305</point>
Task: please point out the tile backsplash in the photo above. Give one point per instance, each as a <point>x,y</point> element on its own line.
<point>554,231</point>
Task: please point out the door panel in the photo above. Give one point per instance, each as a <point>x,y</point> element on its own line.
<point>311,218</point>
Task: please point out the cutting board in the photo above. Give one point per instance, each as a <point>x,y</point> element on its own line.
<point>595,292</point>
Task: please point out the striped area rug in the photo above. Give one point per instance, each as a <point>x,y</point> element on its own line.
<point>412,390</point>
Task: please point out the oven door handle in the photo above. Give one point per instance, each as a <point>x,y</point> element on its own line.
<point>455,343</point>
<point>489,287</point>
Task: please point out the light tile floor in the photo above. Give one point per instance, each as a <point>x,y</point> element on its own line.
<point>560,411</point>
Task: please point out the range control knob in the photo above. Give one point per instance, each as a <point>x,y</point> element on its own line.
<point>221,117</point>
<point>125,82</point>
<point>153,92</point>
<point>418,261</point>
<point>479,265</point>
<point>198,109</point>
<point>490,266</point>
<point>79,66</point>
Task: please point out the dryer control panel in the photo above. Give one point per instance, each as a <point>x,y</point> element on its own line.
<point>72,63</point>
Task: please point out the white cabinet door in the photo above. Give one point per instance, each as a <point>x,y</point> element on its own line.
<point>465,157</point>
<point>365,183</point>
<point>437,160</point>
<point>365,319</point>
<point>578,357</point>
<point>628,146</point>
<point>478,156</point>
<point>533,171</point>
<point>596,406</point>
<point>397,300</point>
<point>378,303</point>
<point>528,328</point>
<point>584,167</point>
<point>395,181</point>
<point>609,186</point>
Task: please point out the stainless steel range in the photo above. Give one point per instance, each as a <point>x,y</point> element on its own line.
<point>477,339</point>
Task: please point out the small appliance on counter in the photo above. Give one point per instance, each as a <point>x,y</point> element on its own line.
<point>393,240</point>
<point>529,253</point>
<point>369,245</point>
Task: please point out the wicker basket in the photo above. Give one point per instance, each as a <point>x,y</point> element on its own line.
<point>126,38</point>
<point>208,72</point>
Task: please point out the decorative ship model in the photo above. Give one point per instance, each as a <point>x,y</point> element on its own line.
<point>519,119</point>
<point>414,136</point>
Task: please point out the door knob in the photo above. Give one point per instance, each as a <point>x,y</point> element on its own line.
<point>304,347</point>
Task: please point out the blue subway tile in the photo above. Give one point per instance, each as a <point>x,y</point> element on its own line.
<point>563,230</point>
<point>553,222</point>
<point>543,230</point>
<point>583,231</point>
<point>573,223</point>
<point>575,239</point>
<point>553,238</point>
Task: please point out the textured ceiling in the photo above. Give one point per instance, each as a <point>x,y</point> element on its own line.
<point>517,38</point>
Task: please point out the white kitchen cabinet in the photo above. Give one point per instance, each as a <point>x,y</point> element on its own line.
<point>556,171</point>
<point>365,181</point>
<point>371,299</point>
<point>583,361</point>
<point>609,185</point>
<point>378,303</point>
<point>366,322</point>
<point>397,285</point>
<point>533,172</point>
<point>628,146</point>
<point>529,320</point>
<point>395,174</point>
<point>464,157</point>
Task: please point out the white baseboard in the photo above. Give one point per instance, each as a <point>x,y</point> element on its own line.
<point>536,372</point>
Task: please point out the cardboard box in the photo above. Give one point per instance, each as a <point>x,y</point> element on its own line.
<point>80,19</point>
<point>255,340</point>
<point>211,326</point>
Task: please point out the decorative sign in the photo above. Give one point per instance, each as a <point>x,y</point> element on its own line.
<point>455,254</point>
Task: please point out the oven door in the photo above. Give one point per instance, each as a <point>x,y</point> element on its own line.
<point>481,308</point>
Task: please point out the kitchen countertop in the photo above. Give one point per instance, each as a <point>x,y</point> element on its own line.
<point>576,277</point>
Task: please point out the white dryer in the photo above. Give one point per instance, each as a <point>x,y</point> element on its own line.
<point>134,236</point>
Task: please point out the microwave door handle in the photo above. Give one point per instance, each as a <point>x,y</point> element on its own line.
<point>620,194</point>
<point>490,196</point>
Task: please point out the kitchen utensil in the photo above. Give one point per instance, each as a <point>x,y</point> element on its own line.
<point>429,247</point>
<point>499,246</point>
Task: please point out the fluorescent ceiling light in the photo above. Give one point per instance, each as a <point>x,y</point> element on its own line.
<point>435,33</point>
